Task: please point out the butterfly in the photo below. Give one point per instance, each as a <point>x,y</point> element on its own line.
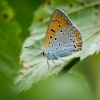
<point>63,38</point>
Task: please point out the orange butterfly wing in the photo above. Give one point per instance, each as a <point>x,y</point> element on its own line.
<point>58,20</point>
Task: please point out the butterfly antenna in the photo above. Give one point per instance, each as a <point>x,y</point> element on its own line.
<point>35,48</point>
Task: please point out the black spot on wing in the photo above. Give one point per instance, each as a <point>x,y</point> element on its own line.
<point>70,39</point>
<point>51,37</point>
<point>58,21</point>
<point>55,38</point>
<point>61,30</point>
<point>63,41</point>
<point>53,30</point>
<point>63,33</point>
<point>75,46</point>
<point>59,25</point>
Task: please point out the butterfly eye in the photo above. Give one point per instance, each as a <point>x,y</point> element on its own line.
<point>43,52</point>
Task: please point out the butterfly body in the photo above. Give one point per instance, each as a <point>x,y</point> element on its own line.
<point>62,37</point>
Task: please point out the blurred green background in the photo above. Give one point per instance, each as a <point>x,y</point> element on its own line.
<point>15,20</point>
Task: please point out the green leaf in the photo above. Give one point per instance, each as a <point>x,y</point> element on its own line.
<point>84,14</point>
<point>72,86</point>
<point>9,43</point>
<point>24,13</point>
<point>94,47</point>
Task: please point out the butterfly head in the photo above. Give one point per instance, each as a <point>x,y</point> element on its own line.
<point>49,55</point>
<point>46,54</point>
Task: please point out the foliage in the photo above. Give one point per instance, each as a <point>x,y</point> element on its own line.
<point>36,65</point>
<point>85,14</point>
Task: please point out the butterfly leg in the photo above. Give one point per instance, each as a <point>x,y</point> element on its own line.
<point>48,64</point>
<point>53,61</point>
<point>64,60</point>
<point>56,57</point>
